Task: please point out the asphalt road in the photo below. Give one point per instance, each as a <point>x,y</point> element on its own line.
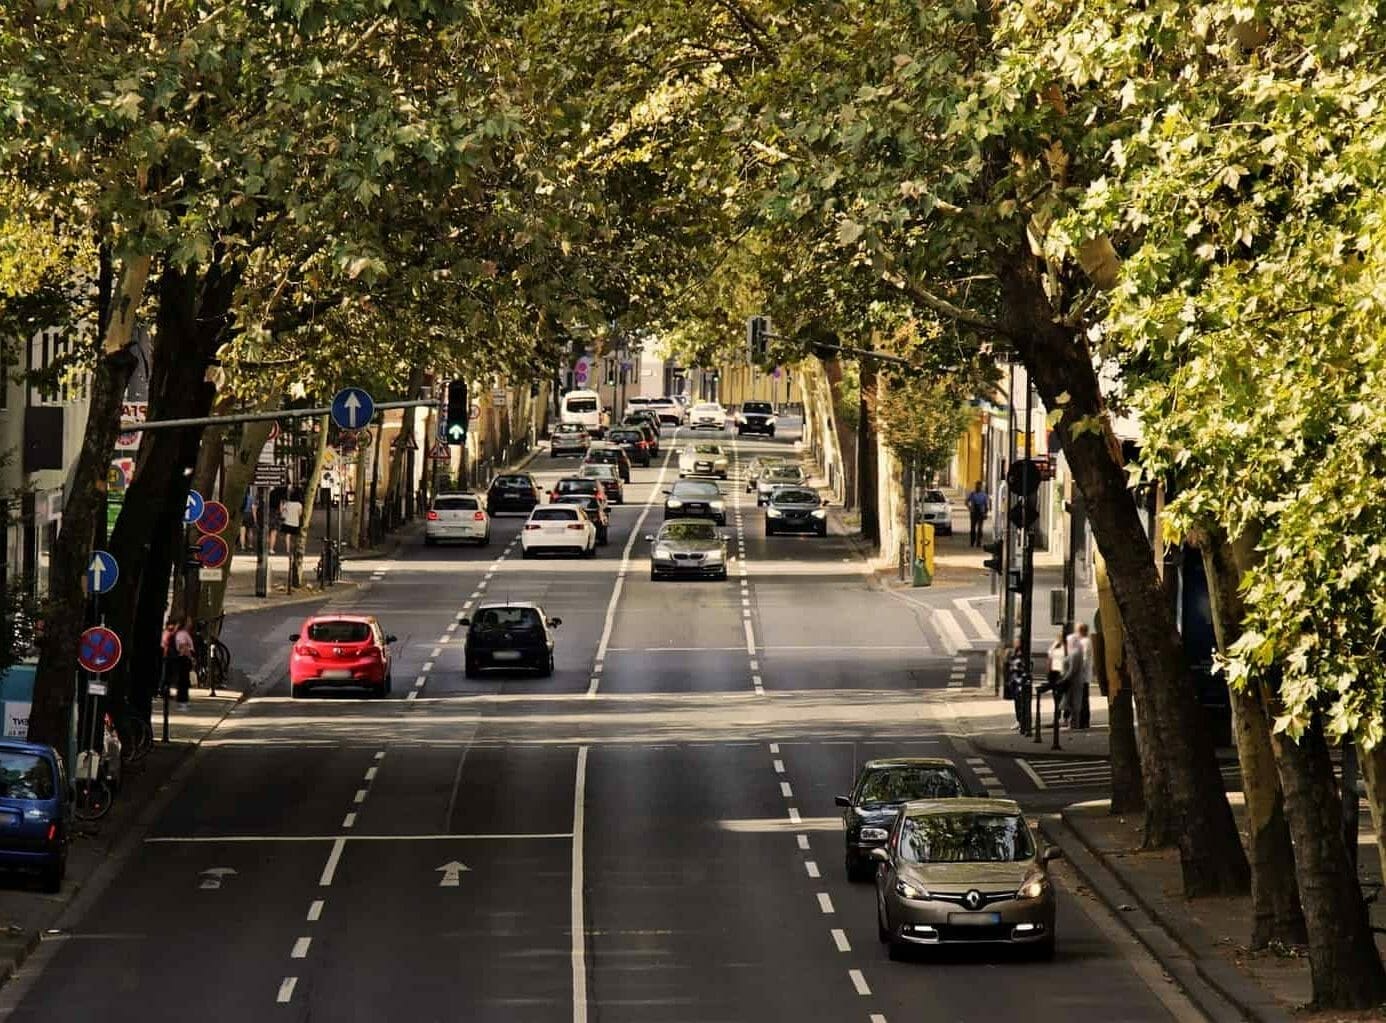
<point>649,835</point>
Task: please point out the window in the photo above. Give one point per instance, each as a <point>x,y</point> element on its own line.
<point>455,504</point>
<point>965,838</point>
<point>581,404</point>
<point>688,531</point>
<point>513,619</point>
<point>689,489</point>
<point>788,496</point>
<point>26,776</point>
<point>339,632</point>
<point>903,783</point>
<point>760,408</point>
<point>553,514</point>
<point>934,497</point>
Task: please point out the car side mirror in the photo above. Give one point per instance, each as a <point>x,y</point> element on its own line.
<point>391,639</point>
<point>293,637</point>
<point>843,800</point>
<point>880,855</point>
<point>464,620</point>
<point>1051,854</point>
<point>649,538</point>
<point>555,622</point>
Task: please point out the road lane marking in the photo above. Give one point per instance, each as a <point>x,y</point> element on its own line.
<point>750,637</point>
<point>315,910</point>
<point>794,817</point>
<point>786,791</point>
<point>825,902</point>
<point>774,747</point>
<point>427,667</point>
<point>450,627</point>
<point>578,928</point>
<point>812,868</point>
<point>413,694</point>
<point>370,773</point>
<point>380,755</point>
<point>349,821</point>
<point>877,1017</point>
<point>840,940</point>
<point>803,841</point>
<point>779,767</point>
<point>341,840</point>
<point>333,858</point>
<point>437,652</point>
<point>859,982</point>
<point>1039,782</point>
<point>300,949</point>
<point>286,990</point>
<point>360,797</point>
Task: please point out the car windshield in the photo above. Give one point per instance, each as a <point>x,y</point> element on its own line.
<point>788,496</point>
<point>512,619</point>
<point>513,482</point>
<point>791,473</point>
<point>707,449</point>
<point>689,488</point>
<point>604,455</point>
<point>599,472</point>
<point>579,486</point>
<point>965,838</point>
<point>688,531</point>
<point>570,428</point>
<point>553,514</point>
<point>626,436</point>
<point>455,504</point>
<point>900,784</point>
<point>580,501</point>
<point>582,404</point>
<point>758,407</point>
<point>707,407</point>
<point>25,776</point>
<point>339,632</point>
<point>934,497</point>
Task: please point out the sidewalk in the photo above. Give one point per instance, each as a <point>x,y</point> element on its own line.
<point>98,847</point>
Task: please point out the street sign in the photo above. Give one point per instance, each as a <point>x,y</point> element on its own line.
<point>98,649</point>
<point>582,369</point>
<point>209,575</point>
<point>212,551</point>
<point>352,408</point>
<point>194,508</point>
<point>96,688</point>
<point>214,518</point>
<point>270,475</point>
<point>440,453</point>
<point>102,572</point>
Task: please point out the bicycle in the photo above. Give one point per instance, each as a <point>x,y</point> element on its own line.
<point>213,657</point>
<point>329,569</point>
<point>92,786</point>
<point>136,738</point>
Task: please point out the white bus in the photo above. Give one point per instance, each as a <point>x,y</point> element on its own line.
<point>585,409</point>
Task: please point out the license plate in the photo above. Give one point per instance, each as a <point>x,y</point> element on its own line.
<point>506,655</point>
<point>704,465</point>
<point>974,919</point>
<point>337,673</point>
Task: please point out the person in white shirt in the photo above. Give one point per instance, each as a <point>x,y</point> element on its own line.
<point>292,514</point>
<point>1078,694</point>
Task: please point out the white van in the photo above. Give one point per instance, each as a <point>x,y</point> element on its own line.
<point>585,409</point>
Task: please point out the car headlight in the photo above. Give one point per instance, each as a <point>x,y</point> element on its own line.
<point>673,503</point>
<point>713,556</point>
<point>873,834</point>
<point>908,891</point>
<point>819,513</point>
<point>1032,887</point>
<point>773,513</point>
<point>662,554</point>
<point>716,505</point>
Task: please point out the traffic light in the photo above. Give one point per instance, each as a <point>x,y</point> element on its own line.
<point>458,411</point>
<point>1022,484</point>
<point>993,560</point>
<point>611,373</point>
<point>757,338</point>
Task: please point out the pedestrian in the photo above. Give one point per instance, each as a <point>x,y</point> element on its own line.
<point>186,652</point>
<point>1078,695</point>
<point>292,519</point>
<point>1058,660</point>
<point>1019,686</point>
<point>276,517</point>
<point>1075,674</point>
<point>249,511</point>
<point>978,503</point>
<point>170,657</point>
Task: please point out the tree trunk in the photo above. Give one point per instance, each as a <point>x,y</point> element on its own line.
<point>1128,795</point>
<point>846,440</point>
<point>1059,361</point>
<point>50,714</point>
<point>1373,764</point>
<point>1343,961</point>
<point>868,497</point>
<point>1276,912</point>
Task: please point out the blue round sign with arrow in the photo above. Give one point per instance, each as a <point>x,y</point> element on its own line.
<point>98,649</point>
<point>102,572</point>
<point>193,510</point>
<point>352,408</point>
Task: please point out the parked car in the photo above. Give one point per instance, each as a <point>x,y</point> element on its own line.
<point>707,415</point>
<point>881,788</point>
<point>633,442</point>
<point>596,511</point>
<point>795,509</point>
<point>558,527</point>
<point>569,439</point>
<point>935,510</point>
<point>579,485</point>
<point>756,417</point>
<point>457,517</point>
<point>964,871</point>
<point>787,475</point>
<point>513,492</point>
<point>35,811</point>
<point>688,547</point>
<point>513,634</point>
<point>610,478</point>
<point>340,651</point>
<point>703,460</point>
<point>609,454</point>
<point>758,465</point>
<point>694,499</point>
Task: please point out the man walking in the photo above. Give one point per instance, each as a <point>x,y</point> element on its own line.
<point>978,504</point>
<point>1078,696</point>
<point>1076,674</point>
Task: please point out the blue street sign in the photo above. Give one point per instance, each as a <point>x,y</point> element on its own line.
<point>98,649</point>
<point>194,508</point>
<point>352,408</point>
<point>102,573</point>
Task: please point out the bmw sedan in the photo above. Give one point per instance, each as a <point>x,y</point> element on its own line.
<point>633,442</point>
<point>703,460</point>
<point>964,871</point>
<point>694,499</point>
<point>688,547</point>
<point>795,510</point>
<point>513,634</point>
<point>882,787</point>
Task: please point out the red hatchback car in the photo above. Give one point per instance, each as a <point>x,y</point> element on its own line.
<point>341,650</point>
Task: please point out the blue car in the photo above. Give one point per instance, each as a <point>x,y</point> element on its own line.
<point>35,811</point>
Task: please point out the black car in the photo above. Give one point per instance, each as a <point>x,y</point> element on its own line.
<point>882,787</point>
<point>695,499</point>
<point>608,454</point>
<point>648,424</point>
<point>596,511</point>
<point>509,635</point>
<point>795,509</point>
<point>756,417</point>
<point>632,441</point>
<point>513,492</point>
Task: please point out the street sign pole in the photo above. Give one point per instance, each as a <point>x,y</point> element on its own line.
<point>262,580</point>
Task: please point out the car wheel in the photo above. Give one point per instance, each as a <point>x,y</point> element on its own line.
<point>389,685</point>
<point>896,949</point>
<point>297,692</point>
<point>882,932</point>
<point>1044,950</point>
<point>603,538</point>
<point>485,540</point>
<point>722,575</point>
<point>526,553</point>
<point>469,668</point>
<point>822,531</point>
<point>769,529</point>
<point>772,431</point>
<point>857,871</point>
<point>547,670</point>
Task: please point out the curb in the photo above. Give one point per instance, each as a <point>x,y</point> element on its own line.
<point>980,740</point>
<point>1218,989</point>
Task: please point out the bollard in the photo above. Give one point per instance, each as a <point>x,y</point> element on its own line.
<point>165,715</point>
<point>1056,720</point>
<point>1039,714</point>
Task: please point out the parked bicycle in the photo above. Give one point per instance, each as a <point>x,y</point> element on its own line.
<point>213,657</point>
<point>96,780</point>
<point>136,737</point>
<point>329,569</point>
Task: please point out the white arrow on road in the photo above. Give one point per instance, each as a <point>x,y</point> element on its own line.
<point>452,874</point>
<point>212,876</point>
<point>353,404</point>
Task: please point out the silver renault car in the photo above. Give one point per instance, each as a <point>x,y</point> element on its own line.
<point>964,871</point>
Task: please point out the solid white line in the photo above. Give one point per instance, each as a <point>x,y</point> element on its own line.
<point>349,821</point>
<point>786,791</point>
<point>802,841</point>
<point>300,949</point>
<point>315,910</point>
<point>825,902</point>
<point>750,638</point>
<point>370,773</point>
<point>1024,766</point>
<point>286,990</point>
<point>859,982</point>
<point>579,927</point>
<point>840,940</point>
<point>333,858</point>
<point>812,868</point>
<point>779,767</point>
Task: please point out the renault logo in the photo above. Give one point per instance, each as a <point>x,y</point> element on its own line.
<point>973,899</point>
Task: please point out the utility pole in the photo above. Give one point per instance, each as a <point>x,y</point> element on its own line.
<point>1027,537</point>
<point>1008,545</point>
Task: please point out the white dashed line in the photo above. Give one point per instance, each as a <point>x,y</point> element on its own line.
<point>825,902</point>
<point>333,858</point>
<point>315,911</point>
<point>349,821</point>
<point>360,797</point>
<point>370,773</point>
<point>286,990</point>
<point>380,755</point>
<point>803,841</point>
<point>812,869</point>
<point>840,940</point>
<point>774,747</point>
<point>779,767</point>
<point>413,694</point>
<point>859,982</point>
<point>877,1017</point>
<point>300,949</point>
<point>794,817</point>
<point>437,650</point>
<point>786,791</point>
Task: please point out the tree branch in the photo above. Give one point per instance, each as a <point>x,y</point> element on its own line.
<point>937,303</point>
